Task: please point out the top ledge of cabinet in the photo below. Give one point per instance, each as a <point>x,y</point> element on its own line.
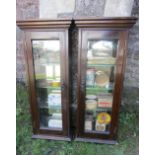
<point>106,22</point>
<point>43,23</point>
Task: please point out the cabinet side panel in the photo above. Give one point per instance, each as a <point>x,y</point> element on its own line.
<point>29,67</point>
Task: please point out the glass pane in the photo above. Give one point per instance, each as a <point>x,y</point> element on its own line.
<point>46,54</point>
<point>100,73</point>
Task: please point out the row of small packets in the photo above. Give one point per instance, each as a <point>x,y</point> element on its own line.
<point>102,121</point>
<point>100,101</point>
<point>54,100</point>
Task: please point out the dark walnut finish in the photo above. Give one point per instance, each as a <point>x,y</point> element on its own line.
<point>101,29</point>
<point>40,24</point>
<point>115,29</point>
<point>48,30</point>
<point>107,23</point>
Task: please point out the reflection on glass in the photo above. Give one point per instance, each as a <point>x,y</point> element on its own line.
<point>101,59</point>
<point>46,54</point>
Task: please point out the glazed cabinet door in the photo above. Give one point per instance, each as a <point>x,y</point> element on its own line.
<point>47,64</point>
<point>100,75</point>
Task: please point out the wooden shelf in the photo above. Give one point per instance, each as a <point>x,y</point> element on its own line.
<point>100,65</point>
<point>100,110</point>
<point>50,87</point>
<point>94,90</point>
<point>44,77</point>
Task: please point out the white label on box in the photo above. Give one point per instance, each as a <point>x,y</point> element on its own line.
<point>88,125</point>
<point>53,123</point>
<point>54,99</point>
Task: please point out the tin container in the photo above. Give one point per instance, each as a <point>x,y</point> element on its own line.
<point>100,127</point>
<point>91,104</point>
<point>103,118</point>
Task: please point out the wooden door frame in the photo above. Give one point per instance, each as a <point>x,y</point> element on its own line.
<point>81,86</point>
<point>47,27</point>
<point>120,25</point>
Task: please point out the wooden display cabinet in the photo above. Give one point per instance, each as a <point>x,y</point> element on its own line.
<point>102,48</point>
<point>47,60</point>
<point>102,52</point>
